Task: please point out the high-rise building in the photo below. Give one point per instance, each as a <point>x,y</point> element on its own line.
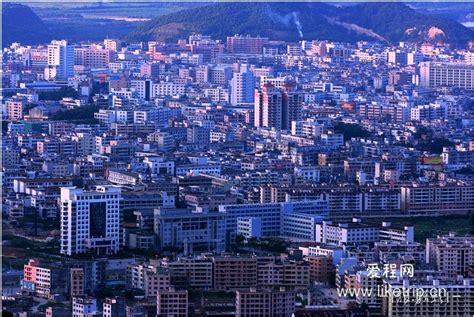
<point>90,220</point>
<point>239,44</point>
<point>277,108</point>
<point>447,74</point>
<point>292,106</point>
<point>268,107</point>
<point>92,56</point>
<point>60,60</point>
<point>242,88</point>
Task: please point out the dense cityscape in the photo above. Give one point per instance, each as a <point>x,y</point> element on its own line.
<point>245,176</point>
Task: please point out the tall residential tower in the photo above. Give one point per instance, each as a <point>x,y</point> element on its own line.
<point>90,220</point>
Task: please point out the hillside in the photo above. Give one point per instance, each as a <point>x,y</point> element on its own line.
<point>21,24</point>
<point>278,21</point>
<point>404,23</point>
<point>391,22</point>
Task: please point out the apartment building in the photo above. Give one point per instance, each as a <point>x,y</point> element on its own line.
<point>357,232</point>
<point>84,306</point>
<point>239,44</point>
<point>264,302</point>
<point>43,280</point>
<point>451,254</point>
<point>320,267</point>
<point>172,302</point>
<point>437,200</point>
<point>14,110</point>
<point>289,274</point>
<point>459,75</point>
<point>449,298</point>
<point>113,307</point>
<point>363,281</point>
<point>77,282</point>
<point>190,271</point>
<point>391,251</point>
<point>148,277</point>
<point>277,108</point>
<point>233,272</point>
<point>92,57</point>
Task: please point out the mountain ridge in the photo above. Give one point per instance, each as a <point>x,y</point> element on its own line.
<point>390,22</point>
<point>385,22</point>
<point>15,28</point>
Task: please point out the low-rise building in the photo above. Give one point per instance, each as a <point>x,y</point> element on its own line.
<point>149,278</point>
<point>172,302</point>
<point>264,302</point>
<point>451,254</point>
<point>233,272</point>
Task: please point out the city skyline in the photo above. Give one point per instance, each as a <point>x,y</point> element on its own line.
<point>237,159</point>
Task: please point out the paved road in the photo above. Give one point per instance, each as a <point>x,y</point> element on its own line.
<point>332,294</point>
<point>41,301</point>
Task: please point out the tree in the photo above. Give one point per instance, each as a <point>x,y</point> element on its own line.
<point>471,220</point>
<point>81,114</point>
<point>57,95</point>
<point>350,130</point>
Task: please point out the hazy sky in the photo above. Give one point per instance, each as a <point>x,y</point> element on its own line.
<point>115,1</point>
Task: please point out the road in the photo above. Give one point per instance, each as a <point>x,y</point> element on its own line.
<point>41,301</point>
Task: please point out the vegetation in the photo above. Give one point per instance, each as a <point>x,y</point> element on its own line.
<point>78,115</point>
<point>31,31</point>
<point>465,171</point>
<point>274,20</point>
<point>77,21</point>
<point>427,142</point>
<point>351,130</point>
<point>430,227</point>
<point>375,15</point>
<point>318,21</point>
<point>435,145</point>
<point>64,92</point>
<point>273,245</point>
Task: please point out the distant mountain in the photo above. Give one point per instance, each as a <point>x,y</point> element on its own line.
<point>278,21</point>
<point>389,22</point>
<point>398,22</point>
<point>21,24</point>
